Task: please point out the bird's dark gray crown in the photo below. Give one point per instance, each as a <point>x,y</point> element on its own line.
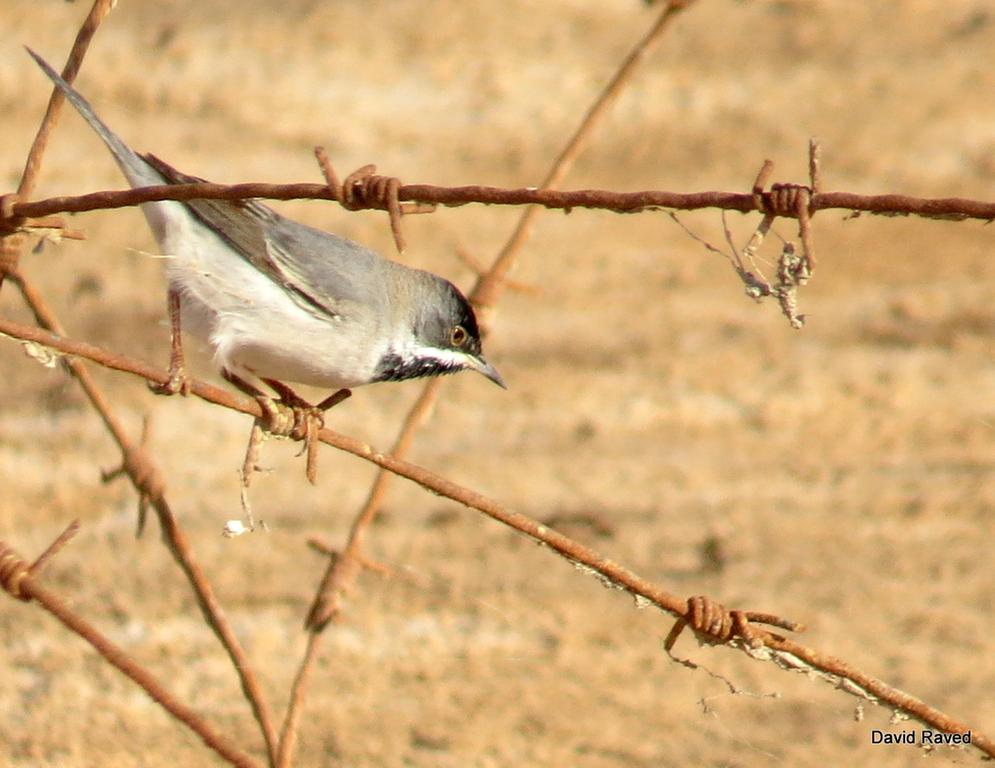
<point>433,329</point>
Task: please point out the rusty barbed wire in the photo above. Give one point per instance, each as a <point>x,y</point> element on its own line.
<point>343,570</point>
<point>712,622</point>
<point>340,575</point>
<point>136,463</point>
<point>11,235</point>
<point>889,204</point>
<point>19,580</point>
<point>54,548</point>
<point>705,617</point>
<point>144,474</point>
<point>364,189</point>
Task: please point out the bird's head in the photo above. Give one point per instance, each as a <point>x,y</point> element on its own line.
<point>439,335</point>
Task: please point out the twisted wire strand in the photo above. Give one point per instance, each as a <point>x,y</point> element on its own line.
<point>13,572</point>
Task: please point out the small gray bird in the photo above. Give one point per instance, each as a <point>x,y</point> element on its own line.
<point>288,303</point>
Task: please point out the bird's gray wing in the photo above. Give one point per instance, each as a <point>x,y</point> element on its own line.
<point>322,273</point>
<point>318,270</point>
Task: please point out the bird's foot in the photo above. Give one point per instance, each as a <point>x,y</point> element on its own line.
<point>289,416</point>
<point>292,416</point>
<point>177,384</point>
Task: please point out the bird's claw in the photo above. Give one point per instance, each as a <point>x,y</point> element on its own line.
<point>177,384</point>
<point>294,419</point>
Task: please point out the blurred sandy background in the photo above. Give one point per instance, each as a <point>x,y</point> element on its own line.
<point>841,475</point>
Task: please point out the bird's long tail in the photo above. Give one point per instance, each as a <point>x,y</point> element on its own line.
<point>138,172</point>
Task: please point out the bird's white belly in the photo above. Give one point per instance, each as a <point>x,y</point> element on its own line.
<point>314,356</point>
<point>250,322</point>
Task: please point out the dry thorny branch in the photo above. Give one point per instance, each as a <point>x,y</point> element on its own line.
<point>711,622</point>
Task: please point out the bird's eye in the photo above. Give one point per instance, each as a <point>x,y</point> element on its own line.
<point>458,336</point>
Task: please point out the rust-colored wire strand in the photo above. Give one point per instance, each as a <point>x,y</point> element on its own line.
<point>786,653</point>
<point>10,244</point>
<point>890,204</point>
<point>143,473</point>
<point>21,581</point>
<point>342,571</point>
<point>87,30</point>
<point>136,462</point>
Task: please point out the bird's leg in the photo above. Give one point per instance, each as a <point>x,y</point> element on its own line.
<point>177,381</point>
<point>242,385</point>
<point>297,403</point>
<point>334,399</point>
<point>287,396</point>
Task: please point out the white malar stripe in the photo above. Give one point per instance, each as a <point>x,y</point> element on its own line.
<point>450,356</point>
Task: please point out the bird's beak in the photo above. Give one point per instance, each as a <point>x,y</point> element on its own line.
<point>482,366</point>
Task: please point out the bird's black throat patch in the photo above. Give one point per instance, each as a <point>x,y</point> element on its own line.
<point>392,367</point>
